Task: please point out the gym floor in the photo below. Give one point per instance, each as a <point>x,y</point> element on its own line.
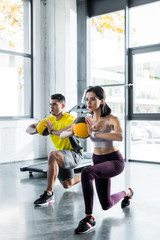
<point>20,219</point>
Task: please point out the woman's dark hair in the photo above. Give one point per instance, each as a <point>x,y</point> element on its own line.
<point>100,93</point>
<point>59,97</point>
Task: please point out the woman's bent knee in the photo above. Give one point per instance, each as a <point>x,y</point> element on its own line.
<point>87,174</point>
<point>106,206</point>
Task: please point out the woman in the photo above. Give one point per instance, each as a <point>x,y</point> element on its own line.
<point>104,128</point>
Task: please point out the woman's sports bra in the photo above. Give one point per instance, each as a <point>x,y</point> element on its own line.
<point>102,143</point>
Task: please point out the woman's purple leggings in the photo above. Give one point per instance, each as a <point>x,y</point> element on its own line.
<point>105,167</point>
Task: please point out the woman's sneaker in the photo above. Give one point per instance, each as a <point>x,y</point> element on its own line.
<point>45,199</point>
<point>86,225</point>
<point>126,201</point>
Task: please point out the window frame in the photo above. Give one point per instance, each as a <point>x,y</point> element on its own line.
<point>24,55</point>
<point>131,53</point>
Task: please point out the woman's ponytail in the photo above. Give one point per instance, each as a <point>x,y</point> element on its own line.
<point>105,110</point>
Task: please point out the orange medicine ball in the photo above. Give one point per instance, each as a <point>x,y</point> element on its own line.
<point>80,128</point>
<point>41,129</point>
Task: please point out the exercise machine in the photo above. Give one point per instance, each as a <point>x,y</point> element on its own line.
<point>42,167</point>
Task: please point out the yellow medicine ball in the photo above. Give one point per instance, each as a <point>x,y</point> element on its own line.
<point>41,129</point>
<point>80,128</point>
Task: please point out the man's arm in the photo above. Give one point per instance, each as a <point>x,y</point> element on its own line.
<point>32,129</point>
<point>55,132</point>
<point>67,133</point>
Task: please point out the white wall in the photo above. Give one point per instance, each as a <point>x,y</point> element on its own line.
<point>55,70</point>
<point>61,52</point>
<point>16,144</point>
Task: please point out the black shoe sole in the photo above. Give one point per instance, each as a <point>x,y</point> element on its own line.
<point>89,230</point>
<point>128,200</point>
<point>45,204</point>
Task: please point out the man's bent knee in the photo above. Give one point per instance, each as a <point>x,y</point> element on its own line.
<point>67,183</point>
<point>56,156</point>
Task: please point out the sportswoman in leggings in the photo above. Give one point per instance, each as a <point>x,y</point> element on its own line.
<point>104,128</point>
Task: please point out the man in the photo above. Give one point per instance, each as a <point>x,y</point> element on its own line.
<point>64,159</point>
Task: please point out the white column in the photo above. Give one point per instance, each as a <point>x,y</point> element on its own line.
<point>61,49</point>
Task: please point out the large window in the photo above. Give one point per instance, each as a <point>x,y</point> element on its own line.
<point>144,59</point>
<point>107,49</point>
<point>126,62</point>
<point>108,60</point>
<point>15,58</point>
<point>144,75</point>
<point>143,24</point>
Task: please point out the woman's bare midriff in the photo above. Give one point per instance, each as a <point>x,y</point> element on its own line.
<point>103,151</point>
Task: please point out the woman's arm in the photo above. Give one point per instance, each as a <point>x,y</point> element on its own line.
<point>110,136</point>
<point>116,135</point>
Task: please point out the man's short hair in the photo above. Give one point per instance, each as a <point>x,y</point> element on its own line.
<point>58,97</point>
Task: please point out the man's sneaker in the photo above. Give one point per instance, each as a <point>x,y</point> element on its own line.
<point>126,201</point>
<point>86,225</point>
<point>45,199</point>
